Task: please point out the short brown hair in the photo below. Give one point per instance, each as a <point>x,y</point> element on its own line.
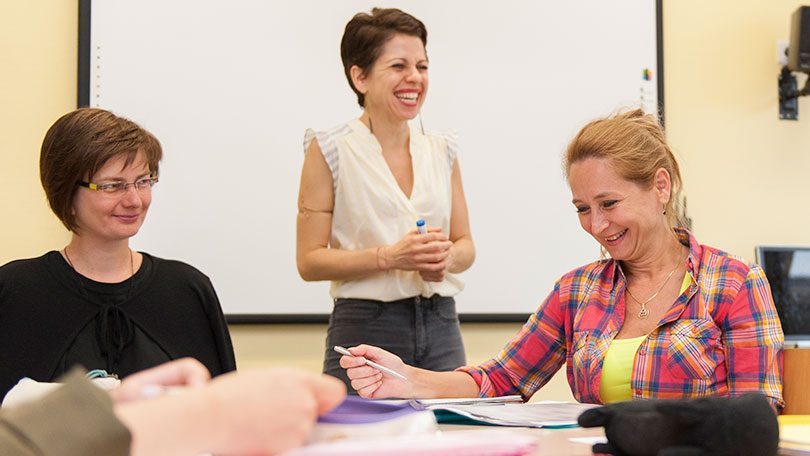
<point>366,34</point>
<point>636,147</point>
<point>80,143</point>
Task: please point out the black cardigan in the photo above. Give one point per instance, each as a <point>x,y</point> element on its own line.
<point>43,309</point>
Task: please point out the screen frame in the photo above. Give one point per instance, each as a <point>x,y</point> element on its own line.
<point>759,253</point>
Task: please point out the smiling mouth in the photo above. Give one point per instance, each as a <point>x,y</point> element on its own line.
<point>408,97</point>
<point>617,236</point>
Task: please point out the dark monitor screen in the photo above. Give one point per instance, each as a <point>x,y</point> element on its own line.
<point>788,272</point>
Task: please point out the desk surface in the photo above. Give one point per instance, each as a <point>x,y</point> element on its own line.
<point>550,442</point>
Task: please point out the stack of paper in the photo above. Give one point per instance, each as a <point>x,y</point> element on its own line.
<point>420,403</point>
<point>504,411</point>
<point>794,435</point>
<point>358,417</point>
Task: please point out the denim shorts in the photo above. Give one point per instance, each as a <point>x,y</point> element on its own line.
<point>424,332</point>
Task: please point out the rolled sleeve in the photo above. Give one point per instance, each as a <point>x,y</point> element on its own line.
<point>530,359</point>
<point>754,341</point>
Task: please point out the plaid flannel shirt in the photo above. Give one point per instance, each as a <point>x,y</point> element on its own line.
<point>721,337</point>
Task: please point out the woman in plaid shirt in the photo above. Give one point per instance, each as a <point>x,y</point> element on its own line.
<point>662,317</point>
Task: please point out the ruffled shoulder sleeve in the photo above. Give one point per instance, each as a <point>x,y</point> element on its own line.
<point>451,138</point>
<point>327,143</point>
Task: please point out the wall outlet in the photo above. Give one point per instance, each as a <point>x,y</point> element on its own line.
<point>781,52</point>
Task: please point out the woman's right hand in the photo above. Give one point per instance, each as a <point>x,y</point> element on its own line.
<point>260,411</point>
<point>418,252</point>
<point>183,372</point>
<point>372,383</point>
<point>269,411</point>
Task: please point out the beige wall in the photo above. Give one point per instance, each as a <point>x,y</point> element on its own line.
<point>746,172</point>
<point>302,346</point>
<point>37,85</point>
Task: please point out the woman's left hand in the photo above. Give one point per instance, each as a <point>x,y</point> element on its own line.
<point>438,269</point>
<point>440,272</point>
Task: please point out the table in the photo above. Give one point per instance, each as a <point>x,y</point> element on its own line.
<point>796,381</point>
<point>550,442</point>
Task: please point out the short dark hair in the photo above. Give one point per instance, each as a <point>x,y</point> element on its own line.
<point>80,143</point>
<point>366,34</point>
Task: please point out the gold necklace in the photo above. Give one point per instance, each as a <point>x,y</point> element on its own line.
<point>644,313</point>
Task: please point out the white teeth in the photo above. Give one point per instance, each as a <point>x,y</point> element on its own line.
<point>411,96</point>
<point>617,236</point>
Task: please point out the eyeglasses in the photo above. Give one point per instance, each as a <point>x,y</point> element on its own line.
<point>119,188</point>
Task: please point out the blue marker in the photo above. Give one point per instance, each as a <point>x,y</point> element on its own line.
<point>420,226</point>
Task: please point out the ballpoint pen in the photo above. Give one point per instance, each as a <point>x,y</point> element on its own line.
<point>382,369</point>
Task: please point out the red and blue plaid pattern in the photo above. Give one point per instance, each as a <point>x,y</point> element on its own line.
<point>721,337</point>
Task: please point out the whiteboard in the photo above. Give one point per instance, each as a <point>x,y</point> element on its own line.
<point>230,87</point>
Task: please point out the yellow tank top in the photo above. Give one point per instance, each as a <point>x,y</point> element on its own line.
<point>618,365</point>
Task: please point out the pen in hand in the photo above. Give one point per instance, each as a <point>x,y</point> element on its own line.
<point>382,369</point>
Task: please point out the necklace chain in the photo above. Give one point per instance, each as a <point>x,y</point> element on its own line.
<point>131,263</point>
<point>112,365</point>
<point>644,313</point>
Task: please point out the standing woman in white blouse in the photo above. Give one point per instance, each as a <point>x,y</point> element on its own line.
<point>364,185</point>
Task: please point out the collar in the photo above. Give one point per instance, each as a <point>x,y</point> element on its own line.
<point>695,251</point>
<point>612,268</point>
<point>357,126</point>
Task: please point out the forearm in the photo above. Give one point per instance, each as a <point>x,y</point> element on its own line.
<point>752,339</point>
<point>170,425</point>
<point>432,385</point>
<point>335,264</point>
<point>756,369</point>
<point>462,255</point>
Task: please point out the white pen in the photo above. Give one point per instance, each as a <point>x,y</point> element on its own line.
<point>383,369</point>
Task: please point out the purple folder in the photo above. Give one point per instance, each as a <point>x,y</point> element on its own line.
<point>356,410</point>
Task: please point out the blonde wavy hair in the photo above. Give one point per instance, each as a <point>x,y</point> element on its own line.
<point>635,145</point>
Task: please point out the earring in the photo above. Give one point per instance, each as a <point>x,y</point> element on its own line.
<point>664,211</point>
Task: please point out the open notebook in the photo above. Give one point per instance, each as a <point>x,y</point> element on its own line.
<point>499,411</point>
<point>367,427</point>
<point>361,427</point>
<point>504,411</point>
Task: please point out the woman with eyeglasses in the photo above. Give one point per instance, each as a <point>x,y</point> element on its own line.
<point>95,302</point>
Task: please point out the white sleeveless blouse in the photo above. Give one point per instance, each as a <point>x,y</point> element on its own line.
<point>371,210</point>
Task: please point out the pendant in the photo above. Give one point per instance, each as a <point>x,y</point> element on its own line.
<point>643,313</point>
